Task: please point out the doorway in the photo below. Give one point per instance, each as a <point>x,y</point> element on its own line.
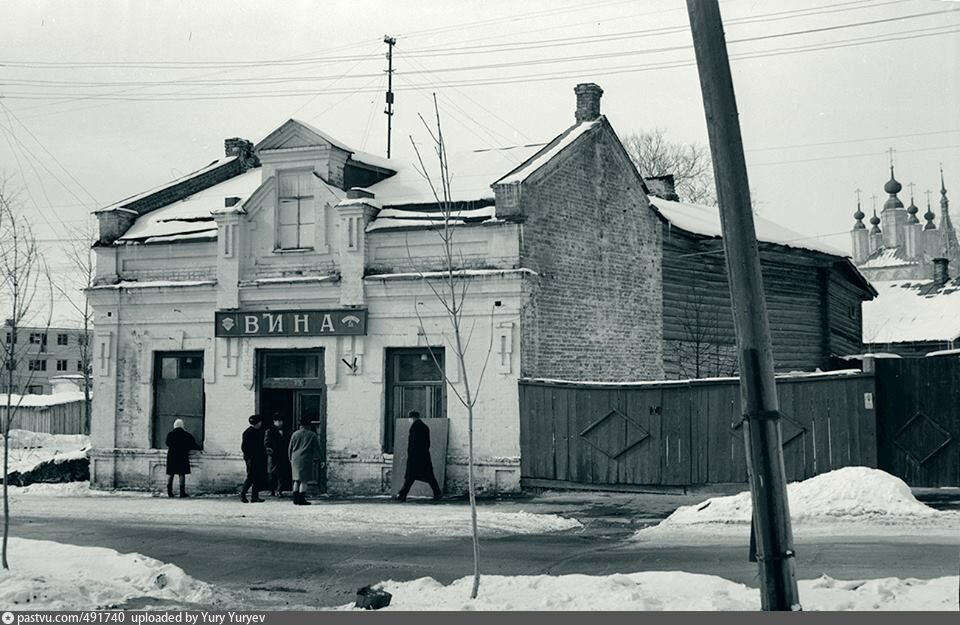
<point>290,384</point>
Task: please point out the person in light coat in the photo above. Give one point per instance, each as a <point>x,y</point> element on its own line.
<point>304,452</point>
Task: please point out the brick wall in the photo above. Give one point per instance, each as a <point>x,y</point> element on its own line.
<point>595,312</point>
<point>114,223</point>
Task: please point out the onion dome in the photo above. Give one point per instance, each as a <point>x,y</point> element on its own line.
<point>929,216</point>
<point>892,187</point>
<point>912,210</point>
<point>859,217</point>
<point>875,222</point>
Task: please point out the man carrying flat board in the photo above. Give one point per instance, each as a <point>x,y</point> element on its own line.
<point>419,464</point>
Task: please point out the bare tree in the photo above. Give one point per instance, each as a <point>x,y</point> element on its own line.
<point>705,350</point>
<point>688,163</point>
<point>21,274</point>
<point>451,292</point>
<point>72,287</point>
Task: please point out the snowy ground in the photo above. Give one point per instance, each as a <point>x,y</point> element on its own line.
<point>360,519</point>
<point>53,576</point>
<point>660,590</point>
<point>850,500</point>
<point>30,449</point>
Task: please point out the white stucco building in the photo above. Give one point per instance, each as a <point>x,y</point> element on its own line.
<point>294,277</point>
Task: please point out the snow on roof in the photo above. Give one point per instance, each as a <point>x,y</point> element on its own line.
<point>471,174</point>
<point>705,220</point>
<point>42,401</point>
<point>458,273</point>
<point>547,153</point>
<point>907,311</point>
<point>392,218</point>
<point>887,257</point>
<point>133,198</point>
<point>153,284</point>
<point>191,215</point>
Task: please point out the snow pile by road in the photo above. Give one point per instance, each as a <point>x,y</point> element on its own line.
<point>662,590</point>
<point>54,576</point>
<point>328,517</point>
<point>28,450</point>
<point>851,496</point>
<point>848,492</point>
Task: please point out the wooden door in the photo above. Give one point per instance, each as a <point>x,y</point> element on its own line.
<point>311,404</point>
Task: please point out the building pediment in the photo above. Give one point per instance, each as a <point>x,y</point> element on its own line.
<point>298,135</point>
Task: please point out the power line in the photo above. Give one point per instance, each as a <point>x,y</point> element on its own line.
<point>541,77</point>
<point>527,63</point>
<point>473,49</point>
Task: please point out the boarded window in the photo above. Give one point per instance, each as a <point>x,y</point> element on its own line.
<point>295,214</point>
<point>414,382</point>
<point>178,394</point>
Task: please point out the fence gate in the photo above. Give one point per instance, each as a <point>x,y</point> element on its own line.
<point>918,419</point>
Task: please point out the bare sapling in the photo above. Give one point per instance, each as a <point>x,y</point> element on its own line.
<point>450,288</point>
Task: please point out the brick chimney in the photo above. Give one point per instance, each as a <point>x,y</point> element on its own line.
<point>941,271</point>
<point>588,101</point>
<point>242,148</point>
<point>662,187</point>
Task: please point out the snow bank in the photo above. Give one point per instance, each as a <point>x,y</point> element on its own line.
<point>848,492</point>
<point>28,450</point>
<point>55,576</point>
<point>661,590</point>
<point>852,495</point>
<point>362,519</point>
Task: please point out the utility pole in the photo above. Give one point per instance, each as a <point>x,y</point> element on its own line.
<point>758,387</point>
<point>390,41</point>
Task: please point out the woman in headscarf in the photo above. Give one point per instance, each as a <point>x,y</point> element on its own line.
<point>179,444</point>
<point>304,452</point>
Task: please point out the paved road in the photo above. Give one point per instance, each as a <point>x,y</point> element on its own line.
<point>273,570</point>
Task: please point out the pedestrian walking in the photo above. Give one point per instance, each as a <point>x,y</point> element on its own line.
<point>419,463</point>
<point>255,457</point>
<point>276,440</point>
<point>179,445</point>
<point>304,452</point>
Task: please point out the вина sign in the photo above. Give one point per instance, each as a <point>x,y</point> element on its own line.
<point>291,323</point>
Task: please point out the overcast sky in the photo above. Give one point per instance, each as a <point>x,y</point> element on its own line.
<point>105,99</point>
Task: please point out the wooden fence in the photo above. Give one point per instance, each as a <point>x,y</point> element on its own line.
<point>918,419</point>
<point>65,418</point>
<point>686,433</point>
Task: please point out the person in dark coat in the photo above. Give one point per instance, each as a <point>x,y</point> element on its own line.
<point>419,464</point>
<point>304,452</point>
<point>277,442</point>
<point>179,445</point>
<point>255,457</point>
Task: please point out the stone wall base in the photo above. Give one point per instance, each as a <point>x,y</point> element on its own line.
<point>145,469</point>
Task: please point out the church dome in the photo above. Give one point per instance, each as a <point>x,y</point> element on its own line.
<point>892,187</point>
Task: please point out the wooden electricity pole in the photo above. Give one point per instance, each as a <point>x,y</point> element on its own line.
<point>758,387</point>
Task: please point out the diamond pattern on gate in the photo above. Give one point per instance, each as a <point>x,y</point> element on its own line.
<point>790,430</point>
<point>921,438</point>
<point>614,434</point>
